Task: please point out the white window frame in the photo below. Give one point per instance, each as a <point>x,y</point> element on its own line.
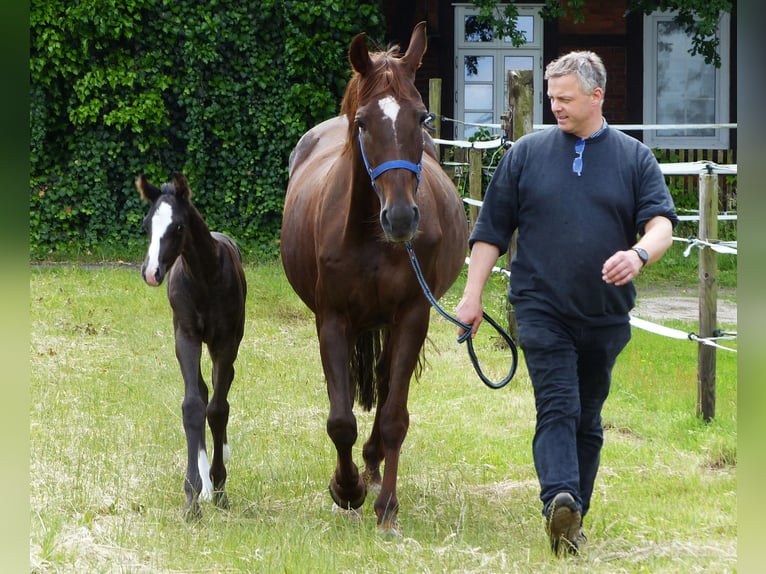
<point>498,48</point>
<point>695,140</point>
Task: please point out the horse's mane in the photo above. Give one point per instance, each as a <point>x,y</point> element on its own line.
<point>385,76</point>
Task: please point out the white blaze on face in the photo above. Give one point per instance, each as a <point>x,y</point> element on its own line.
<point>160,222</point>
<point>390,108</point>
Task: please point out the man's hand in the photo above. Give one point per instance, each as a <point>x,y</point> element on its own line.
<point>621,267</point>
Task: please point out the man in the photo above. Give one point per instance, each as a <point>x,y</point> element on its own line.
<point>580,194</point>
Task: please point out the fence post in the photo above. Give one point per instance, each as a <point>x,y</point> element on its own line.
<point>435,107</point>
<point>474,183</point>
<point>708,294</point>
<point>520,106</point>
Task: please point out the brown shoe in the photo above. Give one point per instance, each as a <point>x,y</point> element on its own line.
<point>564,524</point>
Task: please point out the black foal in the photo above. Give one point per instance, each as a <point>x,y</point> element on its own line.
<point>206,288</point>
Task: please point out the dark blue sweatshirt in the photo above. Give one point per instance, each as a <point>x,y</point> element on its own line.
<point>568,224</point>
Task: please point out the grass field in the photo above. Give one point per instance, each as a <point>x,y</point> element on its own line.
<point>108,452</point>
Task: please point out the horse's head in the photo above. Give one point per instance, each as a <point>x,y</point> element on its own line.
<point>386,116</point>
<point>165,224</point>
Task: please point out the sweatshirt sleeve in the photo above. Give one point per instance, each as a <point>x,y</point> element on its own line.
<point>654,196</point>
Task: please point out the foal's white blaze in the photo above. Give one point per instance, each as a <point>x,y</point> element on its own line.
<point>160,222</point>
<point>390,108</point>
<point>204,471</point>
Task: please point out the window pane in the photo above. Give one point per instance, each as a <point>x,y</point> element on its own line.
<point>525,25</point>
<point>478,68</point>
<point>476,32</point>
<point>478,96</point>
<point>518,63</point>
<point>686,86</point>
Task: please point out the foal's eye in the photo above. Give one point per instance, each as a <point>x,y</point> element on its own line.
<point>360,124</point>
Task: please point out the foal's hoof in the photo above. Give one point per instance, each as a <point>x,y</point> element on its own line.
<point>193,512</point>
<point>220,499</point>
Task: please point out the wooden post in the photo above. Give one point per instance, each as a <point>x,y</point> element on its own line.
<point>521,89</point>
<point>474,183</point>
<point>520,106</point>
<point>435,107</point>
<point>708,295</point>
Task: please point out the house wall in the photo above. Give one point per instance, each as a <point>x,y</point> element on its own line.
<point>607,30</point>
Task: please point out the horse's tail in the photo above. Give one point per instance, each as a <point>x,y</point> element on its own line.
<point>364,361</point>
<point>364,367</point>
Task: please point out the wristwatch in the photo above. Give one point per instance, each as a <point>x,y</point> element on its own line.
<point>642,255</point>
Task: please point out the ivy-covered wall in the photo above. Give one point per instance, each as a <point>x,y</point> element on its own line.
<point>219,90</point>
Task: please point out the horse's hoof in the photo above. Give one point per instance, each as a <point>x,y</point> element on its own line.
<point>390,530</point>
<point>351,514</point>
<point>373,481</point>
<point>348,504</point>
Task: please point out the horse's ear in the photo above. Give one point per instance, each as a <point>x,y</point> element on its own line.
<point>418,43</point>
<point>359,55</point>
<point>146,190</point>
<point>181,184</point>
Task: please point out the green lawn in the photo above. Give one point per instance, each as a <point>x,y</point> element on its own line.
<point>108,452</point>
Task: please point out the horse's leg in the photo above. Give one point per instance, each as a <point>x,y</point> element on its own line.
<point>218,419</point>
<point>405,343</point>
<point>188,353</point>
<point>347,486</point>
<point>372,451</point>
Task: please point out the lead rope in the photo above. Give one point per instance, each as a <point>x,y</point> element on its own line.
<point>466,336</point>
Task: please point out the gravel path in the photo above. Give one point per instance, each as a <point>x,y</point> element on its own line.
<point>664,307</point>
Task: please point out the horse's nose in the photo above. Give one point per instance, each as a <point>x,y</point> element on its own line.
<point>400,222</point>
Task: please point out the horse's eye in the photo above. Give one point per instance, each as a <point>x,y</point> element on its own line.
<point>426,120</point>
<point>180,228</point>
<point>360,124</point>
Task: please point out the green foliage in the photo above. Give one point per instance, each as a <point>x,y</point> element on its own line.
<point>219,90</point>
<point>698,18</point>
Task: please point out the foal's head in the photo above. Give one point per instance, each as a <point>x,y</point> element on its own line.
<point>386,116</point>
<point>166,224</point>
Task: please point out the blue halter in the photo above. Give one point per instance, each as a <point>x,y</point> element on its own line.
<point>386,165</point>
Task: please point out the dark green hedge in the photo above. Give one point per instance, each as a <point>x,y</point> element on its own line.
<point>219,90</point>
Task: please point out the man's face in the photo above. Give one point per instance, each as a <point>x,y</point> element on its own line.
<point>575,111</point>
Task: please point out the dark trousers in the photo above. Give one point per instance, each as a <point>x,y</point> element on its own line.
<point>571,372</point>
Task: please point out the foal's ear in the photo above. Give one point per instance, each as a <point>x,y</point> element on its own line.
<point>147,190</point>
<point>181,185</point>
<point>359,55</point>
<point>418,43</point>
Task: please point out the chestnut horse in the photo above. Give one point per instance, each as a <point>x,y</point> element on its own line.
<point>206,288</point>
<point>362,185</point>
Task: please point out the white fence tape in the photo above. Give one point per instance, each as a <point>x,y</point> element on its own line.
<point>675,333</point>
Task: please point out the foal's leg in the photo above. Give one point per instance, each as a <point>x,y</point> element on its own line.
<point>188,353</point>
<point>347,486</point>
<point>218,419</point>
